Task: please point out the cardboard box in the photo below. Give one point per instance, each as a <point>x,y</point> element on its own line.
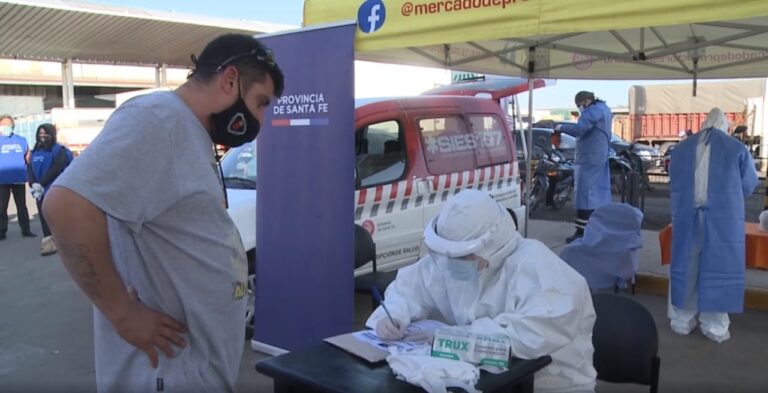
<point>479,349</point>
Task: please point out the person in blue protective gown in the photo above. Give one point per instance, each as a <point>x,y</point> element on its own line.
<point>47,162</point>
<point>593,176</point>
<point>711,174</point>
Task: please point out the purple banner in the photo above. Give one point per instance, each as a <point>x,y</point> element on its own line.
<point>304,284</point>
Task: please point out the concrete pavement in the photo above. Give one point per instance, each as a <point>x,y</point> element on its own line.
<point>46,336</point>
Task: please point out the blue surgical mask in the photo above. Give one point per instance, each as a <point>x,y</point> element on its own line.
<point>6,130</point>
<point>462,269</point>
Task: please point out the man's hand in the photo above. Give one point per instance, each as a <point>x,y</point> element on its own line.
<point>558,127</point>
<point>147,329</point>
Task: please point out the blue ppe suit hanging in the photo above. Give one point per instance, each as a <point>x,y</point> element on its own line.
<point>593,176</point>
<point>12,163</point>
<point>714,230</point>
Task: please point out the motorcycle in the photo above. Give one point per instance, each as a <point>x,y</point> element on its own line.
<point>625,167</point>
<point>553,181</point>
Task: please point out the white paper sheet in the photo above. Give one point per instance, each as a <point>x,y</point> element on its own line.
<point>370,337</point>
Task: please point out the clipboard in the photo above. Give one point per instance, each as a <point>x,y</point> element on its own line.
<point>358,348</point>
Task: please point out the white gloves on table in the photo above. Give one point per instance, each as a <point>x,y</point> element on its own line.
<point>434,375</point>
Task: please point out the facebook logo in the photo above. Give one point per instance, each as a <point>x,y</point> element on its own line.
<point>371,15</point>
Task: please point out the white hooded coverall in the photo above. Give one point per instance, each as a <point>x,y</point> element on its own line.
<point>527,292</point>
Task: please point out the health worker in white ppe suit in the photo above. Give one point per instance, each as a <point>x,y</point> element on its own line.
<point>482,275</point>
<point>710,176</point>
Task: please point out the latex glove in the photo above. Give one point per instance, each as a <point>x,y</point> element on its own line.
<point>37,191</point>
<point>389,332</point>
<point>434,375</point>
<point>422,336</point>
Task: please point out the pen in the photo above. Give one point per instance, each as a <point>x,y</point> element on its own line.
<point>380,299</point>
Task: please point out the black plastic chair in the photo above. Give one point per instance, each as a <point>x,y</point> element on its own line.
<point>626,342</point>
<point>365,251</point>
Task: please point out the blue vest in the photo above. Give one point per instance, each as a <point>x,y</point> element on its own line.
<point>12,164</point>
<point>41,161</point>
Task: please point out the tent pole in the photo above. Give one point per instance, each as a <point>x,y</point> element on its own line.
<point>529,137</point>
<point>695,74</point>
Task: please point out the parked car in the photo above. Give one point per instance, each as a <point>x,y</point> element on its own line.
<point>652,158</point>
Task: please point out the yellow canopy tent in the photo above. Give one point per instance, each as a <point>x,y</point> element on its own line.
<point>586,39</point>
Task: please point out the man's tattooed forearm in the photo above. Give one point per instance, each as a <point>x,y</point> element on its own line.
<point>84,272</point>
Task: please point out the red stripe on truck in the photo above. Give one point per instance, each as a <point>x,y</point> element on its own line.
<point>362,196</point>
<point>393,193</point>
<point>408,187</point>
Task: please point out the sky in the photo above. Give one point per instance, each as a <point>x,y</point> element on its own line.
<point>290,12</point>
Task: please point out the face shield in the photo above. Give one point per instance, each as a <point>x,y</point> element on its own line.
<point>461,258</point>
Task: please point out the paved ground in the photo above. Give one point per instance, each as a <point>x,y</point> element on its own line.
<point>46,331</point>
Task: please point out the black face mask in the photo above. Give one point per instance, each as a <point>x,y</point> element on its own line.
<point>236,125</point>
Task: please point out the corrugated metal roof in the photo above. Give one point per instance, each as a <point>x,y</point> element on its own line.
<point>55,30</point>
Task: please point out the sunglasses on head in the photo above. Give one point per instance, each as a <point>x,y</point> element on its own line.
<point>264,55</point>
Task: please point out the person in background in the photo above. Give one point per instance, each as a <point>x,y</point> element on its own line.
<point>480,274</point>
<point>141,225</point>
<point>710,176</point>
<point>13,159</point>
<point>593,146</point>
<point>47,161</point>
